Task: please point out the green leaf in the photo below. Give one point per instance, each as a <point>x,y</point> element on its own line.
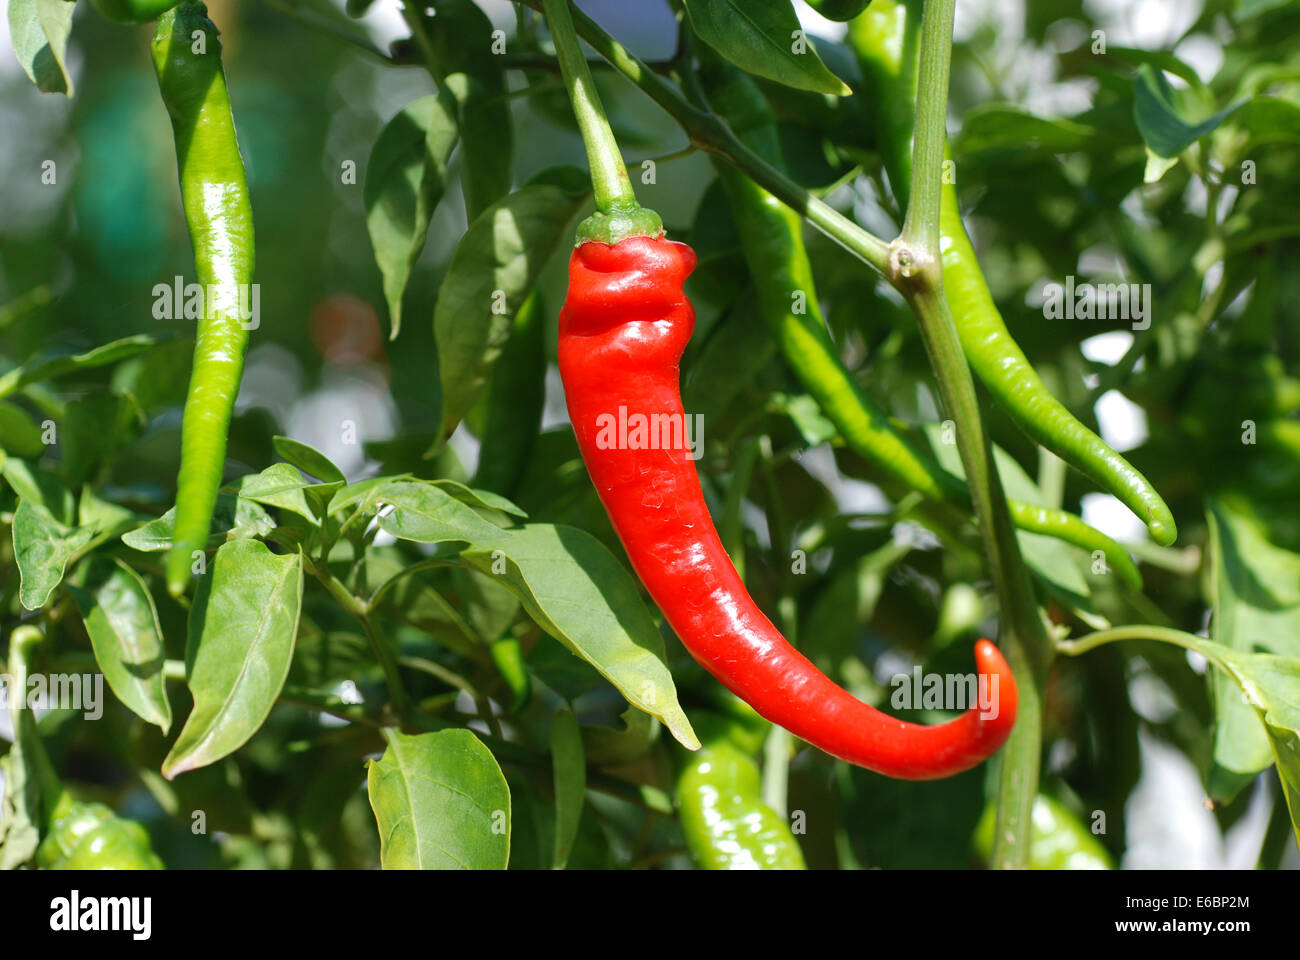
<point>309,460</point>
<point>1162,122</point>
<point>233,519</point>
<point>241,636</point>
<point>730,360</point>
<point>1002,127</point>
<point>39,32</point>
<point>1159,60</point>
<point>428,514</point>
<point>19,435</point>
<point>283,485</point>
<point>485,499</point>
<point>846,605</point>
<point>93,427</point>
<point>1248,9</point>
<point>495,265</point>
<point>1269,120</point>
<point>808,419</point>
<point>1266,683</point>
<point>569,584</point>
<point>101,514</point>
<point>575,590</point>
<point>358,493</point>
<point>40,487</point>
<point>441,803</point>
<point>1256,610</point>
<point>464,51</point>
<point>53,367</point>
<point>42,548</point>
<point>840,10</point>
<point>486,139</point>
<point>19,811</point>
<point>122,623</point>
<point>763,37</point>
<point>570,774</point>
<point>405,179</point>
<point>607,747</point>
<point>1272,686</point>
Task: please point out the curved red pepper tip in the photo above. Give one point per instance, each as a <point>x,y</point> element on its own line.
<point>933,752</point>
<point>989,661</point>
<point>918,752</point>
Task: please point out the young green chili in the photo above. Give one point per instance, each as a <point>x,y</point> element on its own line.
<point>720,806</point>
<point>772,239</point>
<point>511,408</point>
<point>884,38</point>
<point>187,58</point>
<point>1060,841</point>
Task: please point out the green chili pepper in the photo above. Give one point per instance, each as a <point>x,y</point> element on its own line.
<point>1059,841</point>
<point>90,836</point>
<point>133,11</point>
<point>719,799</point>
<point>187,58</point>
<point>772,238</point>
<point>512,403</point>
<point>509,659</point>
<point>885,40</point>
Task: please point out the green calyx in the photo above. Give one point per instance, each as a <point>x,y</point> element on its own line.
<point>619,222</point>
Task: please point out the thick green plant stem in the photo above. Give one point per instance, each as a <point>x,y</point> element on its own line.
<point>771,237</point>
<point>921,226</point>
<point>885,39</point>
<point>1023,638</point>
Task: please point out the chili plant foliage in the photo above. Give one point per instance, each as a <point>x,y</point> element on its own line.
<point>875,349</point>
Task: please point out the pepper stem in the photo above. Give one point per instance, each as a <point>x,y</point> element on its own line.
<point>618,214</point>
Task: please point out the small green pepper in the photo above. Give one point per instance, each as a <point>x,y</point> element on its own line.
<point>719,799</point>
<point>1059,840</point>
<point>90,836</point>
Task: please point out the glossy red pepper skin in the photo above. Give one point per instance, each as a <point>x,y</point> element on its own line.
<point>623,328</point>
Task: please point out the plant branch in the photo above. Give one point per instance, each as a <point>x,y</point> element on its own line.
<point>921,228</point>
<point>1023,640</point>
<point>710,133</point>
<point>361,610</point>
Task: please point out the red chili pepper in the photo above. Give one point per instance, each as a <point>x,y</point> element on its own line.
<point>622,332</point>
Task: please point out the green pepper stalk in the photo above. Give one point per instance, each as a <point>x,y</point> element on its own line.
<point>618,215</point>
